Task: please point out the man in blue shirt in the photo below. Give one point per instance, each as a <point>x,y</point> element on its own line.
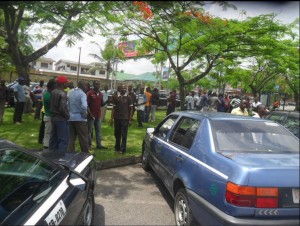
<point>77,104</point>
<point>19,100</point>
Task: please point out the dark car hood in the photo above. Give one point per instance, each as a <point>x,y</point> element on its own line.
<point>71,160</point>
<point>264,160</point>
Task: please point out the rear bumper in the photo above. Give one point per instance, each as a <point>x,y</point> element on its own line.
<point>214,216</point>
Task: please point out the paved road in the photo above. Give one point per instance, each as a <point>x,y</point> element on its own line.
<point>130,196</point>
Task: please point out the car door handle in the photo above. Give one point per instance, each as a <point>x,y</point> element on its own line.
<point>179,158</point>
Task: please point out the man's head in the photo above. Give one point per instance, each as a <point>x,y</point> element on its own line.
<point>255,99</point>
<point>21,80</point>
<point>141,90</point>
<point>42,83</point>
<point>262,110</point>
<point>96,85</point>
<point>82,85</point>
<point>51,85</point>
<point>62,81</point>
<point>243,104</point>
<point>123,89</point>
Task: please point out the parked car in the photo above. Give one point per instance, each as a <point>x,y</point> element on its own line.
<point>11,95</point>
<point>289,119</point>
<point>224,169</point>
<point>45,188</point>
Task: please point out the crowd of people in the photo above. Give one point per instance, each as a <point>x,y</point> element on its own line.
<point>237,105</point>
<point>69,112</point>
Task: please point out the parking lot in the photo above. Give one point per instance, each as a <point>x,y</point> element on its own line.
<point>130,196</point>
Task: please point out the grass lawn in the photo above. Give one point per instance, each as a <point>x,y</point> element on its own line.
<point>26,134</point>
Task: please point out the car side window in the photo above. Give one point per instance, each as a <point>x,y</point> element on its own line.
<point>292,124</point>
<point>25,182</point>
<point>184,134</point>
<point>165,127</point>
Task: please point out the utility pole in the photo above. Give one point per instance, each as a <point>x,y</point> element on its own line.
<point>78,65</point>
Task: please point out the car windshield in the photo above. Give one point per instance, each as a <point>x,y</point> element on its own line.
<point>25,182</point>
<point>252,137</point>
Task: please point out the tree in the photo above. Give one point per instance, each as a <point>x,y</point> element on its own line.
<point>183,33</point>
<point>47,21</point>
<point>108,57</point>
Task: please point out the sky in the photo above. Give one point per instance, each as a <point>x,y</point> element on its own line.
<point>287,12</point>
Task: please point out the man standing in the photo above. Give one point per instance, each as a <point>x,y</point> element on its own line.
<point>19,100</point>
<point>3,97</point>
<point>47,117</point>
<point>132,94</point>
<point>105,100</point>
<point>241,110</point>
<point>60,115</point>
<point>122,116</point>
<point>141,100</point>
<point>95,103</point>
<point>38,102</point>
<point>148,104</point>
<point>77,103</point>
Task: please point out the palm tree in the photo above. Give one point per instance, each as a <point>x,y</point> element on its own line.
<point>108,57</point>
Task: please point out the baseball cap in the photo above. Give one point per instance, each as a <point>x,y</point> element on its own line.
<point>21,78</point>
<point>61,79</point>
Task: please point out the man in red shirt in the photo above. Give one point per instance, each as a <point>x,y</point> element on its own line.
<point>95,102</point>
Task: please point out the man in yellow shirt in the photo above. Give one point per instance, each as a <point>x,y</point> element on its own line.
<point>241,110</point>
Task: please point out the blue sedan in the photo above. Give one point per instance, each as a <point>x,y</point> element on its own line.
<point>45,188</point>
<point>224,169</point>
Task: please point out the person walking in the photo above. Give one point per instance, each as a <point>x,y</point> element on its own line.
<point>95,103</point>
<point>60,115</point>
<point>3,98</point>
<point>121,118</point>
<point>77,104</point>
<point>19,100</point>
<point>141,100</point>
<point>47,116</point>
<point>154,103</point>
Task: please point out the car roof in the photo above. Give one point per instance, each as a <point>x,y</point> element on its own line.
<point>215,115</point>
<point>292,113</point>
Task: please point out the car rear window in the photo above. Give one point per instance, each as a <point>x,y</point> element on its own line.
<point>25,182</point>
<point>252,136</point>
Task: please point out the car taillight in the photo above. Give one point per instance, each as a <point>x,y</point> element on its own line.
<point>248,196</point>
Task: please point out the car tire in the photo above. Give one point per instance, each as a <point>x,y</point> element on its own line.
<point>182,210</point>
<point>145,163</point>
<point>88,213</point>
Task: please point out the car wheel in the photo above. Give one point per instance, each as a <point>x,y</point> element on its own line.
<point>182,210</point>
<point>145,163</point>
<point>88,213</point>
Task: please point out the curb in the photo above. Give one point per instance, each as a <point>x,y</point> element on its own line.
<point>100,165</point>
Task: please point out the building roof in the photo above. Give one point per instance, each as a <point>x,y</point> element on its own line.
<point>74,63</point>
<point>45,59</point>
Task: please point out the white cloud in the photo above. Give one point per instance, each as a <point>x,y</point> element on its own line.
<point>287,12</point>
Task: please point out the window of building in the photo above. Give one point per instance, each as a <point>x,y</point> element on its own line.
<point>102,72</point>
<point>73,68</point>
<point>44,65</point>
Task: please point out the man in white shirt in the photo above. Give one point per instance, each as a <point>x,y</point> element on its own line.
<point>255,104</point>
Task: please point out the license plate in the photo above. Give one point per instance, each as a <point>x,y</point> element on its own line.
<point>295,195</point>
<point>57,214</point>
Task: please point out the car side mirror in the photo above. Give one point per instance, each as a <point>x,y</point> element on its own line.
<point>77,180</point>
<point>150,130</point>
